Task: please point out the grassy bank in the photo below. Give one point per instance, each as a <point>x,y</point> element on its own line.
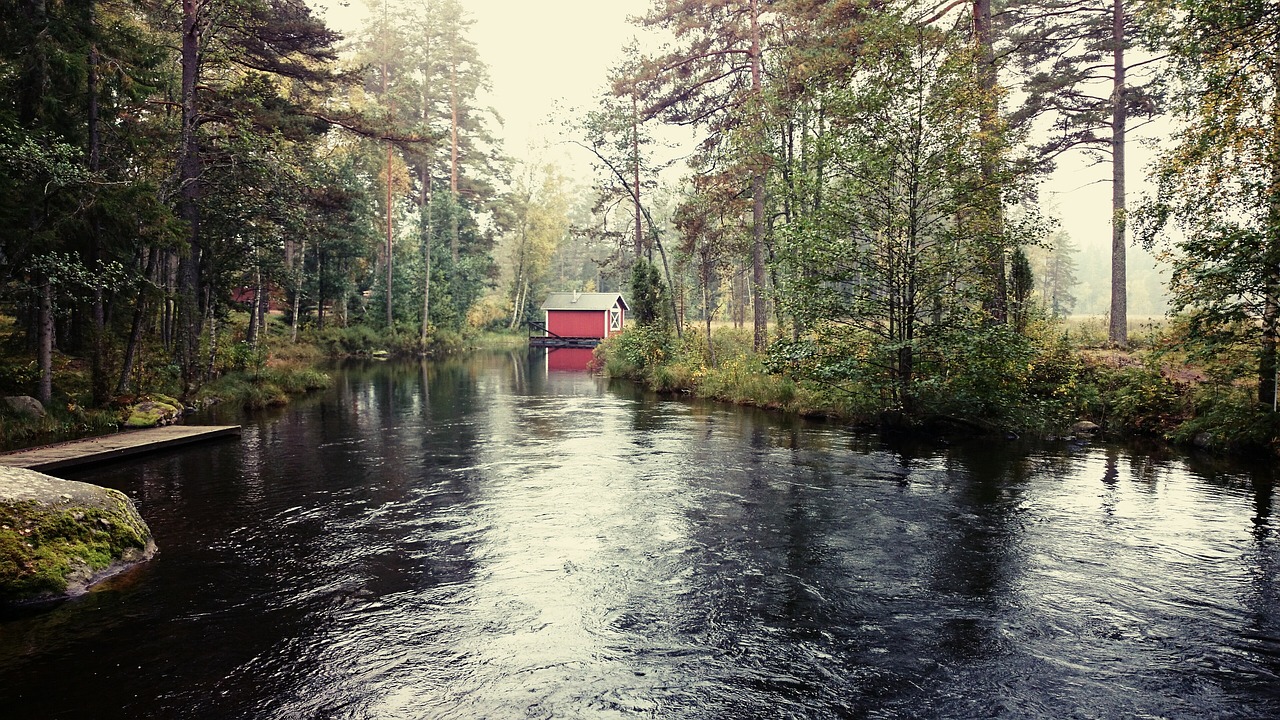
<point>237,373</point>
<point>1041,385</point>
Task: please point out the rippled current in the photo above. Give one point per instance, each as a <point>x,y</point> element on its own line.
<point>485,539</point>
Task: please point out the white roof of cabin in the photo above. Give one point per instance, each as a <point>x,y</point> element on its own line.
<point>583,301</point>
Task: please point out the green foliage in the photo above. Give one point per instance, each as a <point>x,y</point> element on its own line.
<point>637,352</point>
<point>1026,382</point>
<point>354,340</point>
<point>1229,418</point>
<point>270,387</point>
<point>17,378</point>
<point>63,420</point>
<point>1141,400</point>
<point>648,294</point>
<point>1216,181</point>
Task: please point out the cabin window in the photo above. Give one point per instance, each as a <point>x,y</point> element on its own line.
<point>615,319</point>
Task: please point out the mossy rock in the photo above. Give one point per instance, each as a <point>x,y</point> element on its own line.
<point>59,537</point>
<point>155,411</point>
<point>25,405</point>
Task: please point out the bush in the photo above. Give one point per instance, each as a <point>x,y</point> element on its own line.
<point>1229,418</point>
<point>636,352</point>
<point>1141,400</point>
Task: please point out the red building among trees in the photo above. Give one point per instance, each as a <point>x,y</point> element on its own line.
<point>582,319</point>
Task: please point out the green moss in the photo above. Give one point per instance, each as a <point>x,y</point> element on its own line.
<point>153,410</point>
<point>40,546</point>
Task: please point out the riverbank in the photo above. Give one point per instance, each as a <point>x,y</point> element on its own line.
<point>1046,388</point>
<point>240,374</point>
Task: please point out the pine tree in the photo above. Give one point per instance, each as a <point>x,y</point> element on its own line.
<point>1079,72</point>
<point>714,79</point>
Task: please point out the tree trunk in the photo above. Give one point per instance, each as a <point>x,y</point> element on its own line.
<point>139,315</point>
<point>990,228</point>
<point>426,276</point>
<point>761,316</point>
<point>390,318</point>
<point>188,312</point>
<point>1119,330</point>
<point>706,310</point>
<point>44,341</point>
<point>453,162</point>
<point>319,290</point>
<point>635,167</point>
<point>251,335</point>
<point>1267,361</point>
<point>297,290</point>
<point>213,343</point>
<point>97,372</point>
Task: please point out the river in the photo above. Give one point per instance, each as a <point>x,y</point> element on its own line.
<point>487,538</point>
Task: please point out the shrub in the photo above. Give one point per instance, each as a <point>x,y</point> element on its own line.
<point>1141,400</point>
<point>1228,417</point>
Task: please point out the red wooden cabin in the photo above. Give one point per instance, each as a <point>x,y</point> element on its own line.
<point>584,316</point>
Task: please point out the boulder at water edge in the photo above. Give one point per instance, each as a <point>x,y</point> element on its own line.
<point>25,405</point>
<point>155,411</point>
<point>58,537</point>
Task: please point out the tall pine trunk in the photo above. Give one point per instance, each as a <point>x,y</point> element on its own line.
<point>761,313</point>
<point>426,260</point>
<point>188,310</point>
<point>1119,329</point>
<point>453,161</point>
<point>99,384</point>
<point>990,210</point>
<point>390,317</point>
<point>1267,362</point>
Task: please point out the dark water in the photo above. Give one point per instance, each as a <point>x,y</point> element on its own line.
<point>484,539</point>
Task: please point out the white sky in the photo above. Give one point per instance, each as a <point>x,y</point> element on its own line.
<point>544,56</point>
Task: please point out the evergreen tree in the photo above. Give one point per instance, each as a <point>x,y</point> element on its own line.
<point>714,79</point>
<point>1080,74</point>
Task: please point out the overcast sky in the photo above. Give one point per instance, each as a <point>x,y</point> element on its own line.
<point>544,56</point>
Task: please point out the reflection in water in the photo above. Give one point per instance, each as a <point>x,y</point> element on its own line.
<point>567,359</point>
<point>494,538</point>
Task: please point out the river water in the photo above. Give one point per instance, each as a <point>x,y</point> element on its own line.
<point>484,538</point>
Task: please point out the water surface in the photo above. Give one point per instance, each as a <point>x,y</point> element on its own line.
<point>485,538</point>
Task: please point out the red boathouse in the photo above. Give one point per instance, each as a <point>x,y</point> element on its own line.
<point>582,319</point>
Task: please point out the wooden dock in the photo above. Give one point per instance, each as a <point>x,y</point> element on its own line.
<point>112,447</point>
<point>553,341</point>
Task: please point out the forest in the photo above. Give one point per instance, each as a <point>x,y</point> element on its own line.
<point>185,187</point>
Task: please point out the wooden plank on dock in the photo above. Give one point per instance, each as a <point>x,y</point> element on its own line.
<point>554,341</point>
<point>111,447</point>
